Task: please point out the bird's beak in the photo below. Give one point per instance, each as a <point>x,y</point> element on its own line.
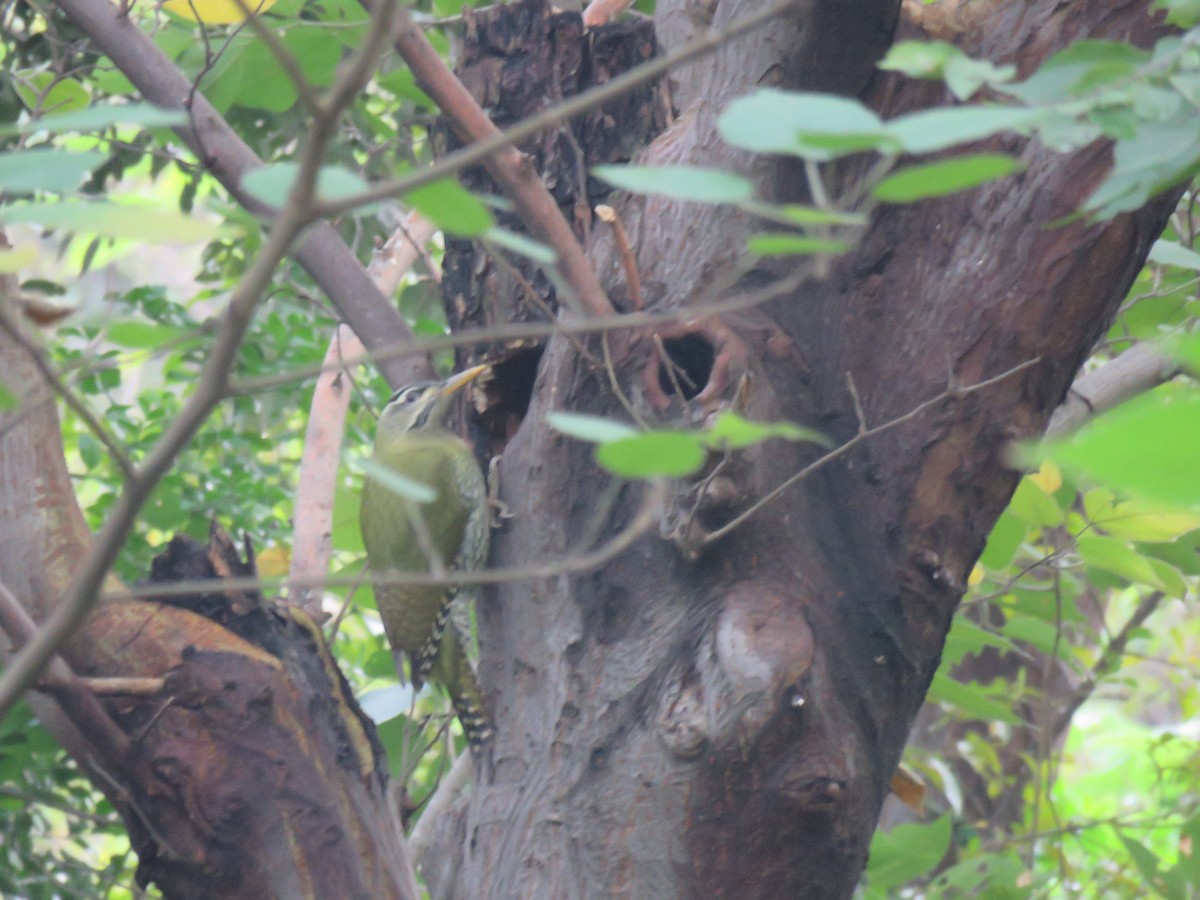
<point>455,383</point>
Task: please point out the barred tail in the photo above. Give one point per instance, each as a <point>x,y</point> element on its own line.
<point>469,705</point>
<point>423,662</point>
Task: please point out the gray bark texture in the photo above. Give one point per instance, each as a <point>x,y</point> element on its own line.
<point>725,722</point>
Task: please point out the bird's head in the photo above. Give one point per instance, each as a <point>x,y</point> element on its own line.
<point>425,404</point>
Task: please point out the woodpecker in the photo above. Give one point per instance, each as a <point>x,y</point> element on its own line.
<point>452,533</point>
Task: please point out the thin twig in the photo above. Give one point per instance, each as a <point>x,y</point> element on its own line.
<point>507,166</point>
<point>24,667</point>
<point>286,59</point>
<point>633,281</point>
<point>447,792</point>
<point>732,302</point>
<point>615,383</point>
<point>77,406</point>
<point>1109,658</point>
<point>849,445</point>
<point>575,562</point>
<point>563,112</point>
<point>77,702</point>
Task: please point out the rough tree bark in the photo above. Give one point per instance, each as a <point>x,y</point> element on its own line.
<point>227,739</point>
<point>723,725</point>
<point>728,726</point>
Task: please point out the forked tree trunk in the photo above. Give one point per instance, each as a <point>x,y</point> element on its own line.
<point>728,726</point>
<point>717,723</point>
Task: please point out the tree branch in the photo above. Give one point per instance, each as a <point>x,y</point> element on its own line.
<point>563,112</point>
<point>77,702</point>
<point>507,165</point>
<point>322,253</point>
<point>313,509</point>
<point>1135,371</point>
<point>23,669</point>
<point>1109,658</point>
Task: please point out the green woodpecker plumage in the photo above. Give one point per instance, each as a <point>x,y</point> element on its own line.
<point>402,535</point>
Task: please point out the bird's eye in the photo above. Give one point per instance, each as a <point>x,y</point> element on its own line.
<point>411,397</point>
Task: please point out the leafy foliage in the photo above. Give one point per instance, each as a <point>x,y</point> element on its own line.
<point>1078,604</point>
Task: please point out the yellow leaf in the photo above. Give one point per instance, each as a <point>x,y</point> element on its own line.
<point>1047,477</point>
<point>976,575</point>
<point>216,12</point>
<point>273,561</point>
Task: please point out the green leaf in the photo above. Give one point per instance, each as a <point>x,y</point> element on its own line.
<point>1150,867</point>
<point>1181,13</point>
<point>733,432</point>
<point>90,451</point>
<point>100,116</point>
<point>8,400</point>
<point>114,220</point>
<point>817,126</point>
<point>451,207</point>
<point>1146,447</point>
<point>991,875</point>
<point>142,335</point>
<point>679,182</point>
<point>1116,556</point>
<point>796,214</point>
<point>1033,506</point>
<point>907,851</point>
<point>781,244</point>
<point>1071,72</point>
<point>272,183</point>
<point>937,129</point>
<point>669,454</point>
<point>43,95</point>
<point>397,483</point>
<point>1172,253</point>
<point>971,699</point>
<point>938,59</point>
<point>23,171</point>
<point>1159,155</point>
<point>589,428</point>
<point>967,638</point>
<point>919,59</point>
<point>945,177</point>
<point>519,243</point>
<point>1137,520</point>
<point>1006,537</point>
<point>1038,633</point>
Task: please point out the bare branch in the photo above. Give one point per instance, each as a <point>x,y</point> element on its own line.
<point>211,388</point>
<point>1110,657</point>
<point>313,509</point>
<point>507,165</point>
<point>569,109</point>
<point>862,435</point>
<point>322,253</point>
<point>439,804</point>
<point>77,702</point>
<point>38,357</point>
<point>1135,371</point>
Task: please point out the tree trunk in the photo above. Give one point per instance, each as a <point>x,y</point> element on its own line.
<point>227,740</point>
<point>728,725</point>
